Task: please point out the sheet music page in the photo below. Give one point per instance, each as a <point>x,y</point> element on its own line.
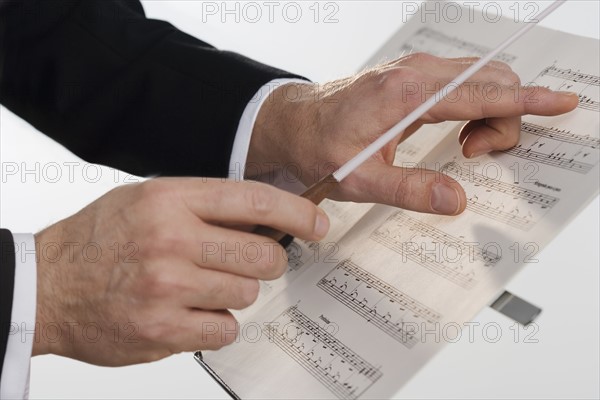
<point>360,322</point>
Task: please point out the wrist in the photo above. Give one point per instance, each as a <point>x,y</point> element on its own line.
<point>282,127</point>
<point>48,328</point>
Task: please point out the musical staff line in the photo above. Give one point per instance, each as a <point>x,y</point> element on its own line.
<point>561,135</point>
<point>468,47</point>
<point>497,213</point>
<point>439,236</point>
<point>571,75</point>
<point>369,284</point>
<point>531,196</point>
<point>558,160</point>
<point>424,261</point>
<point>587,103</point>
<point>507,218</point>
<point>342,371</point>
<point>388,235</point>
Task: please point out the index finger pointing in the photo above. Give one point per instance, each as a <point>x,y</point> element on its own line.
<point>479,100</point>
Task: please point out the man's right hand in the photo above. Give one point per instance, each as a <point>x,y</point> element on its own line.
<point>150,269</point>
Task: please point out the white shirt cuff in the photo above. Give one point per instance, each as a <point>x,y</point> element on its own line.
<point>241,143</point>
<point>14,383</point>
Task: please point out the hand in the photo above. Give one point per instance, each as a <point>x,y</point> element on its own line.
<point>149,269</point>
<point>314,127</point>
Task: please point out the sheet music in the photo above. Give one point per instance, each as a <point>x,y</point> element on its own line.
<point>376,301</point>
<point>432,41</point>
<point>408,237</point>
<point>362,321</point>
<point>342,371</point>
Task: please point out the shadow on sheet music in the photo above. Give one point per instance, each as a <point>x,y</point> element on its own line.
<point>508,304</point>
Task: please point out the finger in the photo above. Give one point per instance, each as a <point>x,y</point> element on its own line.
<point>240,253</point>
<point>221,249</point>
<point>259,204</point>
<point>195,287</point>
<point>537,100</point>
<point>474,101</point>
<point>413,189</point>
<point>205,330</point>
<point>215,290</point>
<point>492,134</point>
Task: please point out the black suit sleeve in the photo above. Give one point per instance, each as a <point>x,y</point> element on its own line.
<point>7,282</point>
<point>122,90</point>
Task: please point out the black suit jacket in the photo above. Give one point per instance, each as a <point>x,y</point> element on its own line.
<point>122,90</point>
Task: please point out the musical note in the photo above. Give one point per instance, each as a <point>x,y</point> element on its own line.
<point>554,159</point>
<point>403,269</point>
<point>570,75</point>
<point>574,81</point>
<point>562,135</point>
<point>563,150</point>
<point>337,367</point>
<point>587,103</point>
<point>512,218</point>
<point>508,191</point>
<point>413,247</point>
<point>389,304</point>
<point>463,174</point>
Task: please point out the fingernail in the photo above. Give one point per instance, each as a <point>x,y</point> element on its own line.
<point>444,199</point>
<point>321,224</point>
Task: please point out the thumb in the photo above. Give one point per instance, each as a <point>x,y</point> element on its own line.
<point>411,188</point>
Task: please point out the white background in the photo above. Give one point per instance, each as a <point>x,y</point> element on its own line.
<point>563,363</point>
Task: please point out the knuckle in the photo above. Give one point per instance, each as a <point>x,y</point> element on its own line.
<point>500,65</point>
<point>152,188</point>
<point>155,195</point>
<point>404,85</point>
<point>260,200</point>
<point>477,97</point>
<point>402,193</point>
<point>515,77</point>
<point>508,78</point>
<point>155,330</point>
<point>165,240</point>
<point>159,283</point>
<point>418,58</point>
<point>398,78</point>
<point>308,215</point>
<point>219,286</point>
<point>349,186</point>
